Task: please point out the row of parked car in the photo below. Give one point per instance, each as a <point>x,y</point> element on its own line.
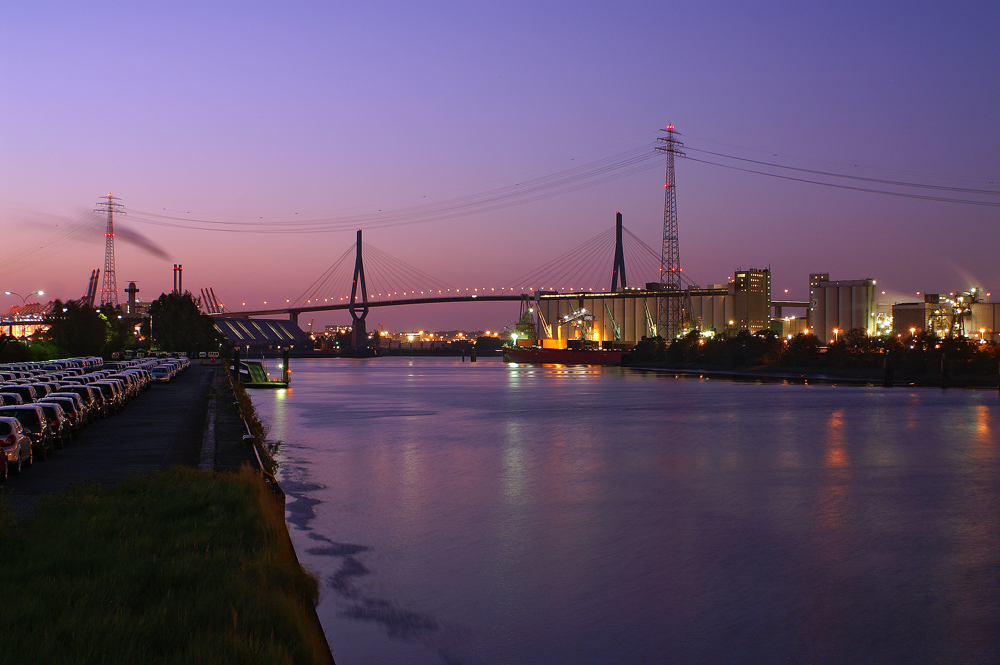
<point>43,406</point>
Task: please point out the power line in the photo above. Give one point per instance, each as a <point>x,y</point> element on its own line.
<point>601,171</point>
<point>923,197</point>
<point>964,190</point>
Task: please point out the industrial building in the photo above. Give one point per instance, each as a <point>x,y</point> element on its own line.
<point>838,306</point>
<point>628,315</point>
<point>962,314</point>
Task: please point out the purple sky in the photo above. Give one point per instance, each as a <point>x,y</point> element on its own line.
<point>249,113</point>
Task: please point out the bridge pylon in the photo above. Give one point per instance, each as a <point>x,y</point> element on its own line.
<point>359,334</point>
<point>619,267</point>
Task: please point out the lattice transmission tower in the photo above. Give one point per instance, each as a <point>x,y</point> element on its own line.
<point>669,305</point>
<point>109,287</point>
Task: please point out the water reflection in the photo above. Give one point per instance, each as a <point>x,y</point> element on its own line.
<point>984,444</point>
<point>836,449</point>
<point>487,514</point>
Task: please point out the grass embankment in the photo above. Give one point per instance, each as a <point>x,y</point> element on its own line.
<point>177,567</point>
<point>257,428</point>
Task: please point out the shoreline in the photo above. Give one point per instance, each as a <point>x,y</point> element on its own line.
<point>851,376</point>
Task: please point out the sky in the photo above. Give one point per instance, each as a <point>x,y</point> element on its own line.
<point>249,141</point>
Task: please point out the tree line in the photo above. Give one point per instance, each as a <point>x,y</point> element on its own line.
<point>175,322</point>
<point>909,355</point>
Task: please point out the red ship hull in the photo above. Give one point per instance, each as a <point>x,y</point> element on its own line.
<point>537,356</point>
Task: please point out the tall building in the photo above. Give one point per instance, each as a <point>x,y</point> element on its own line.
<point>840,305</point>
<point>752,299</point>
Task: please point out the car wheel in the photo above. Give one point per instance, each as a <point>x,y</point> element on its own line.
<point>31,456</point>
<point>58,443</point>
<point>6,470</point>
<point>42,453</point>
<point>17,467</point>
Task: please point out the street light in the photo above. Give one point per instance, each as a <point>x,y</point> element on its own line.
<point>836,333</point>
<point>24,299</point>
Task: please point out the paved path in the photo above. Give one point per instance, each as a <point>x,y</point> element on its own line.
<point>163,426</point>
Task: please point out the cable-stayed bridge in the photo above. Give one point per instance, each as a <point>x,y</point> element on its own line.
<point>377,279</point>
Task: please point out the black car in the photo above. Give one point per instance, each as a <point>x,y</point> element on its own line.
<point>92,397</point>
<point>27,392</point>
<point>62,428</point>
<point>10,399</point>
<point>73,406</point>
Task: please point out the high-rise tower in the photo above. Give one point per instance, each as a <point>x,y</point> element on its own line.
<point>669,309</point>
<point>109,287</point>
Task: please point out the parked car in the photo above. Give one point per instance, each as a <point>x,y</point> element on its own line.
<point>36,425</point>
<point>112,395</point>
<point>62,428</point>
<point>10,399</point>
<point>27,393</point>
<point>162,374</point>
<point>73,405</point>
<point>16,446</point>
<point>93,399</point>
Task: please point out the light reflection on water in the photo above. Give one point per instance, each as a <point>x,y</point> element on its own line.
<point>484,513</point>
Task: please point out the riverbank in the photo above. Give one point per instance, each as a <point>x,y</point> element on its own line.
<point>125,561</point>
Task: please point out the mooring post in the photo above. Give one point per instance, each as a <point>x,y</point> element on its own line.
<point>284,365</point>
<point>236,363</point>
<point>472,357</point>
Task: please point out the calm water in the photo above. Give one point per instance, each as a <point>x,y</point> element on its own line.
<point>485,513</point>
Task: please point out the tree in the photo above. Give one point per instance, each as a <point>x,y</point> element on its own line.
<point>119,329</point>
<point>178,324</point>
<point>77,329</point>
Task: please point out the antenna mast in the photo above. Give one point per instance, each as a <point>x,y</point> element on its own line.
<point>669,314</point>
<point>109,287</point>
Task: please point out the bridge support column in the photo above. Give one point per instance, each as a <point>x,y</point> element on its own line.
<point>359,333</point>
<point>293,317</point>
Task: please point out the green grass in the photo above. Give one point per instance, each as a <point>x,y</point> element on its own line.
<point>178,567</point>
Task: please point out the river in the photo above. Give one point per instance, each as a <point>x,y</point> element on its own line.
<point>461,512</point>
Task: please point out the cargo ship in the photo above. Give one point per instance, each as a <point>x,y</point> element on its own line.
<point>540,355</point>
<point>526,348</point>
